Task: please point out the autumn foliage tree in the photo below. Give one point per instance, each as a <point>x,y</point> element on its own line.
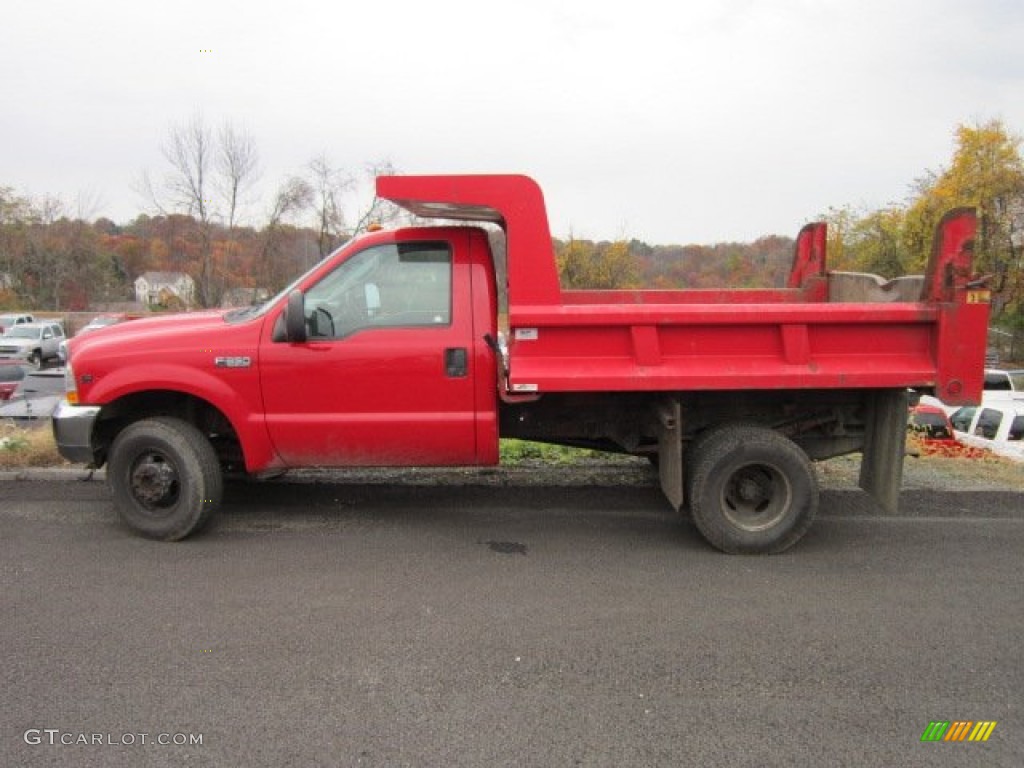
<point>586,265</point>
<point>986,172</point>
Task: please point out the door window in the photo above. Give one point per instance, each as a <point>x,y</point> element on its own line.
<point>962,418</point>
<point>988,423</point>
<point>1016,429</point>
<point>404,285</point>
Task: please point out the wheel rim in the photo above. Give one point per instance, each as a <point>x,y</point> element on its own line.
<point>756,497</point>
<point>154,484</point>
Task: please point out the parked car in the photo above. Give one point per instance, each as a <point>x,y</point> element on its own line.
<point>934,433</point>
<point>995,426</point>
<point>11,374</point>
<point>34,343</point>
<point>930,422</point>
<point>18,318</point>
<point>36,398</point>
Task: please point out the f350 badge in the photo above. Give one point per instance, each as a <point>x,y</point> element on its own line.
<point>232,362</point>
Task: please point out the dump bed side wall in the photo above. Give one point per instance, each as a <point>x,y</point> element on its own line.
<point>681,348</point>
<point>732,340</point>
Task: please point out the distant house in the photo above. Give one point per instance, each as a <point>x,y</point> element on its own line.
<point>165,289</point>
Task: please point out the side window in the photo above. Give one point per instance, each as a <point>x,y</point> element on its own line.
<point>1016,429</point>
<point>988,423</point>
<point>405,285</point>
<point>962,419</point>
<point>997,382</point>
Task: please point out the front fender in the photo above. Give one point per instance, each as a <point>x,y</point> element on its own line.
<point>234,392</point>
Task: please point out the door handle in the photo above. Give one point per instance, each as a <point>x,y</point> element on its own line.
<point>456,362</point>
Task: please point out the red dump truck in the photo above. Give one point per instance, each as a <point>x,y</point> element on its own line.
<point>389,353</point>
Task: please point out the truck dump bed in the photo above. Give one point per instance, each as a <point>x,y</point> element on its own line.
<point>823,331</point>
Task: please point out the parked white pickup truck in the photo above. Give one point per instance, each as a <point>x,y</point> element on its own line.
<point>996,426</point>
<point>9,320</point>
<point>998,380</point>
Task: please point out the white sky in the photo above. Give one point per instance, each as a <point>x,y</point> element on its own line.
<point>669,122</point>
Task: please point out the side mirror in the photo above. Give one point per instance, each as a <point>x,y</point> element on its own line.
<point>295,317</point>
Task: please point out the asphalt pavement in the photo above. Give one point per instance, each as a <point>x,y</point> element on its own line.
<point>491,624</point>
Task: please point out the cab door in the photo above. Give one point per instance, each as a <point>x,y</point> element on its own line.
<point>385,376</point>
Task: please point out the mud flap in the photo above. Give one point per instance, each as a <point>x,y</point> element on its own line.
<point>670,452</point>
<point>885,440</point>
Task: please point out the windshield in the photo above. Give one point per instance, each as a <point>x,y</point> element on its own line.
<point>247,313</point>
<point>1017,380</point>
<point>932,424</point>
<point>21,332</point>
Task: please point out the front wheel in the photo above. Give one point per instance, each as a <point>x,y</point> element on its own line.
<point>165,478</point>
<point>751,490</point>
<point>36,359</point>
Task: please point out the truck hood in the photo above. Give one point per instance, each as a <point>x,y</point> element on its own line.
<point>153,336</point>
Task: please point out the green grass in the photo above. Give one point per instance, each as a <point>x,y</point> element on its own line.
<point>519,451</point>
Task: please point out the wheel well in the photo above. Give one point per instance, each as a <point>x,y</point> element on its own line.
<point>206,417</point>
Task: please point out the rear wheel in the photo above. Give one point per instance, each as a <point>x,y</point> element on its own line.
<point>36,359</point>
<point>165,478</point>
<point>750,490</point>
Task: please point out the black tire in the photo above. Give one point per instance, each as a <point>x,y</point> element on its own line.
<point>36,359</point>
<point>696,448</point>
<point>750,490</point>
<point>165,478</point>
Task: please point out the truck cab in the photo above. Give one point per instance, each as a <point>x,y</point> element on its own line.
<point>389,365</point>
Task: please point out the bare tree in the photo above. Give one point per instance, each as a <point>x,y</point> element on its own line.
<point>207,181</point>
<point>189,150</point>
<point>380,211</point>
<point>329,186</point>
<point>293,196</point>
<point>237,162</point>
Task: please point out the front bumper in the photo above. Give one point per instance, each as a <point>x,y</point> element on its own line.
<point>72,430</point>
